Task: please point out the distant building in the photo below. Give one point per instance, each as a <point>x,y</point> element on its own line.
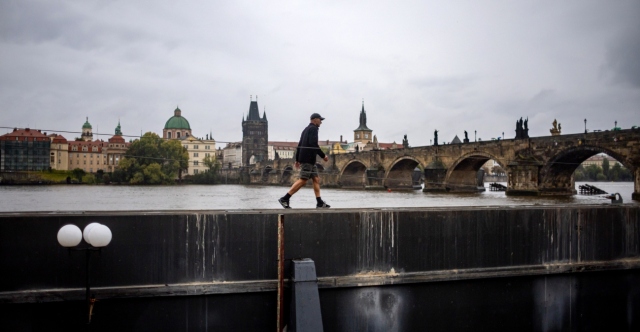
<point>115,150</point>
<point>93,156</point>
<point>599,159</point>
<point>255,136</point>
<point>59,154</point>
<point>24,150</point>
<point>87,156</point>
<point>198,149</point>
<point>87,131</point>
<point>232,155</point>
<point>177,127</point>
<point>284,150</point>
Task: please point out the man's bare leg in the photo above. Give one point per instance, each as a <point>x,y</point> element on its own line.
<point>297,185</point>
<point>316,185</point>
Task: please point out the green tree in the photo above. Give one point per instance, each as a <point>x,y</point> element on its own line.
<point>592,172</point>
<point>210,176</point>
<point>605,167</point>
<point>78,173</point>
<point>177,158</point>
<point>152,160</point>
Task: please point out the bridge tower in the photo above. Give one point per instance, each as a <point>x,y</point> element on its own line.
<point>363,133</point>
<point>255,135</point>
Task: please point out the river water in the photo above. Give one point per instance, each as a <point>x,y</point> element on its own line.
<point>240,197</point>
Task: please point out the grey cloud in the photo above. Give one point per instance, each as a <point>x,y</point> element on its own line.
<point>622,62</point>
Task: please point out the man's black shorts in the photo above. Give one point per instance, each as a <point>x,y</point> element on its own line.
<point>308,171</point>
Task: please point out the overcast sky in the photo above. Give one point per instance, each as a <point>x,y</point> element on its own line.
<point>418,65</point>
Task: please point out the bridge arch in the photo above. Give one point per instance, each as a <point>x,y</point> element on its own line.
<point>265,173</point>
<point>400,174</point>
<point>353,175</point>
<point>463,173</point>
<point>287,173</point>
<point>557,174</point>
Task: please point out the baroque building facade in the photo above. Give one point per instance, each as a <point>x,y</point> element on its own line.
<point>255,136</point>
<point>177,126</point>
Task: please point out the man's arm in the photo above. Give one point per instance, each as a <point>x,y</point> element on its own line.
<point>313,141</point>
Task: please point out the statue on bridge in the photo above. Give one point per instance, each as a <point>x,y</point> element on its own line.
<point>405,142</point>
<point>522,131</point>
<point>557,128</point>
<point>435,137</point>
<point>466,137</point>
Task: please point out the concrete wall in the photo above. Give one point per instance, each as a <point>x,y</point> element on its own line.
<point>533,268</point>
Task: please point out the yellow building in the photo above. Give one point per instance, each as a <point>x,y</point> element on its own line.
<point>59,153</point>
<point>198,149</point>
<point>116,149</point>
<point>87,156</point>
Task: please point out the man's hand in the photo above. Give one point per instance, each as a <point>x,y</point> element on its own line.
<point>326,158</point>
<point>297,164</point>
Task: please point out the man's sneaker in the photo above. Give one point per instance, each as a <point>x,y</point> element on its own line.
<point>284,203</point>
<point>323,205</point>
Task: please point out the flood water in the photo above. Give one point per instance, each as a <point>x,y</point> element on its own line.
<point>240,197</point>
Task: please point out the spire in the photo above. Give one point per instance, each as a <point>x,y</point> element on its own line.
<point>363,119</point>
<point>254,113</point>
<point>264,114</point>
<point>118,130</point>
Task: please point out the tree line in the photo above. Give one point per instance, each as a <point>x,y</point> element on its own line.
<point>605,173</point>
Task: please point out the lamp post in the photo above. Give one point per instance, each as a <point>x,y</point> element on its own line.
<point>503,135</point>
<point>585,126</point>
<point>475,135</point>
<point>96,236</point>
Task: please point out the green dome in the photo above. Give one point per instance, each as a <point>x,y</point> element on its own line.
<point>86,125</point>
<point>177,121</point>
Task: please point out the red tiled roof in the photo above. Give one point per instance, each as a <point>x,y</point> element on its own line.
<point>21,134</point>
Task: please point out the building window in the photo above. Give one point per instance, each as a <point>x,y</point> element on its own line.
<point>178,135</point>
<point>207,147</point>
<point>195,171</point>
<point>168,134</point>
<point>195,147</point>
<point>195,154</point>
<point>195,163</point>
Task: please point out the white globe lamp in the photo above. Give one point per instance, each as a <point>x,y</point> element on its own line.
<point>69,236</point>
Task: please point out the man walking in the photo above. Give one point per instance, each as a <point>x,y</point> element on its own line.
<point>306,153</point>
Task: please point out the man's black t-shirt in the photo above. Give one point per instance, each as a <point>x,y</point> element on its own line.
<point>308,146</point>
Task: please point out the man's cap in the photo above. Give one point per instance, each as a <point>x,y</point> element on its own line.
<point>316,115</point>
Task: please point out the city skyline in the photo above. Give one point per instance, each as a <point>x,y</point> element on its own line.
<point>419,67</point>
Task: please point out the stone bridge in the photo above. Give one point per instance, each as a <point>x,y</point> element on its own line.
<point>534,166</point>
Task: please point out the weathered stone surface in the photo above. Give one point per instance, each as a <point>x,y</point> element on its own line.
<point>534,166</point>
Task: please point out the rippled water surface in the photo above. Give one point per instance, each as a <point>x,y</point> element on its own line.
<point>239,197</point>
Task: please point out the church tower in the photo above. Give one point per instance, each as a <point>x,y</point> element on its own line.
<point>255,135</point>
<point>362,133</point>
<point>87,131</point>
